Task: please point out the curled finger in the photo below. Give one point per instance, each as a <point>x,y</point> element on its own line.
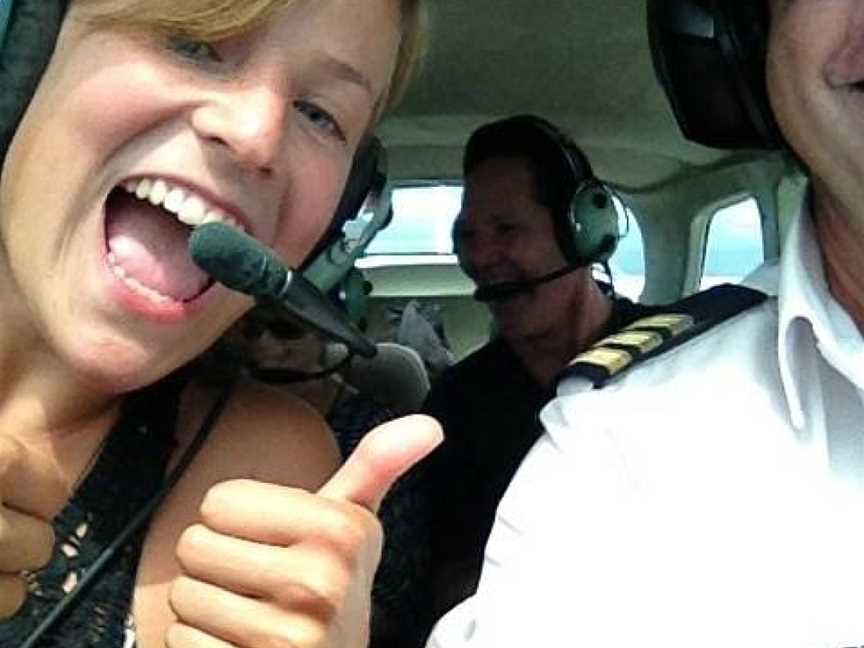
<point>311,576</point>
<point>13,591</point>
<point>279,515</point>
<point>242,620</point>
<point>26,542</point>
<point>180,635</point>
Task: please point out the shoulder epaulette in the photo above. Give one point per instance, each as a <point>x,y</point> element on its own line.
<point>668,327</point>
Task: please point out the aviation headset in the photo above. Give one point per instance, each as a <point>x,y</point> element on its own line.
<point>709,56</point>
<point>28,31</point>
<point>586,229</point>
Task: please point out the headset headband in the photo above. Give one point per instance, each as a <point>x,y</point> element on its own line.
<point>529,136</point>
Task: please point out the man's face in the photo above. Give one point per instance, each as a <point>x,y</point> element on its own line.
<point>815,74</point>
<point>504,234</point>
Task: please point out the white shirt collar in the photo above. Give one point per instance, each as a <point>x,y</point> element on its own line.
<point>811,319</point>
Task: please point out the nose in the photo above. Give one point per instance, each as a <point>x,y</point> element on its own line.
<point>249,121</point>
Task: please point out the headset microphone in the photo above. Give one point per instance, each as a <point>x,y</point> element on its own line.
<point>243,264</point>
<point>510,289</point>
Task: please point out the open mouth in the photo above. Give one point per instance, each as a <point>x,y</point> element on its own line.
<point>147,227</point>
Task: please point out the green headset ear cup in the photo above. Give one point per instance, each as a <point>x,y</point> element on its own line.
<point>355,291</point>
<point>24,52</point>
<point>591,224</point>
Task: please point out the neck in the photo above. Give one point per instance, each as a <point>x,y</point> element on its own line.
<point>59,420</point>
<point>40,395</point>
<point>545,356</point>
<point>840,238</point>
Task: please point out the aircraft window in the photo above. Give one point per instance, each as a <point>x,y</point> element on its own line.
<point>422,221</point>
<point>734,244</point>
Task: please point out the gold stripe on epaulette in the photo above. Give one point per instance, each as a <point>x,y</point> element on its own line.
<point>612,360</point>
<point>644,341</point>
<point>673,323</point>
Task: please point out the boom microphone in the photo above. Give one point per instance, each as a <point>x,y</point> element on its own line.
<point>510,289</point>
<point>243,264</point>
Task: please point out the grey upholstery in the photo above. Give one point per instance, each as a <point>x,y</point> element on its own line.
<point>395,377</point>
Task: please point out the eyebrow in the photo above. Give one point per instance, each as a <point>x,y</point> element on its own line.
<point>345,72</point>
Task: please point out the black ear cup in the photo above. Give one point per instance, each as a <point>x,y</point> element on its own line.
<point>24,52</point>
<point>709,56</point>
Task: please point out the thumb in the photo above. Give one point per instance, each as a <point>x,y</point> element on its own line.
<point>382,456</point>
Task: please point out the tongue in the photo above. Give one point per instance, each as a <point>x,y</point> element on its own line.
<point>151,247</point>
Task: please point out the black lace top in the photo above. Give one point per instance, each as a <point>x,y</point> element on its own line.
<point>128,471</point>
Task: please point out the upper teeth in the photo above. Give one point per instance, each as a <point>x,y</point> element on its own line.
<point>189,208</point>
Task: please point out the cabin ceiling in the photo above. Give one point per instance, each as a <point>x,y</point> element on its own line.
<point>583,64</point>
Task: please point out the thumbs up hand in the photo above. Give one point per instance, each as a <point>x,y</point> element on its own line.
<point>271,565</point>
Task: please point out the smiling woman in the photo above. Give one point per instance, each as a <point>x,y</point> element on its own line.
<point>146,119</point>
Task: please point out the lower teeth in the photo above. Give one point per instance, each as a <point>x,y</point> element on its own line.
<point>135,285</point>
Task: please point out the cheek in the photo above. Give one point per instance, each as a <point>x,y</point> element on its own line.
<point>308,208</point>
<point>542,253</point>
<point>38,151</point>
<point>139,99</point>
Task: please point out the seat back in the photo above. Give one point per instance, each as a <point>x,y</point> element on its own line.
<point>395,377</point>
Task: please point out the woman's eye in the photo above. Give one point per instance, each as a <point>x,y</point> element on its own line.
<point>320,118</point>
<point>197,50</point>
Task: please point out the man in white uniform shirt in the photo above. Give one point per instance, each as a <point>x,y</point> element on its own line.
<point>712,496</point>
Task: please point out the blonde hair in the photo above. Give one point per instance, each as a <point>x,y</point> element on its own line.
<point>216,19</point>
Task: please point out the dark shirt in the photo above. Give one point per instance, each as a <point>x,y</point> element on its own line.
<point>395,594</point>
<point>488,405</point>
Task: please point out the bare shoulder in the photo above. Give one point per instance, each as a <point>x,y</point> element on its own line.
<point>265,433</point>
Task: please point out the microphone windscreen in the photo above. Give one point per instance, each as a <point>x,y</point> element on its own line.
<point>237,260</point>
<point>243,264</point>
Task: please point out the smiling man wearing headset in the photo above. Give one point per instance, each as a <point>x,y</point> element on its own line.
<point>535,222</point>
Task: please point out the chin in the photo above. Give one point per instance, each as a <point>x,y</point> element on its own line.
<point>119,369</point>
